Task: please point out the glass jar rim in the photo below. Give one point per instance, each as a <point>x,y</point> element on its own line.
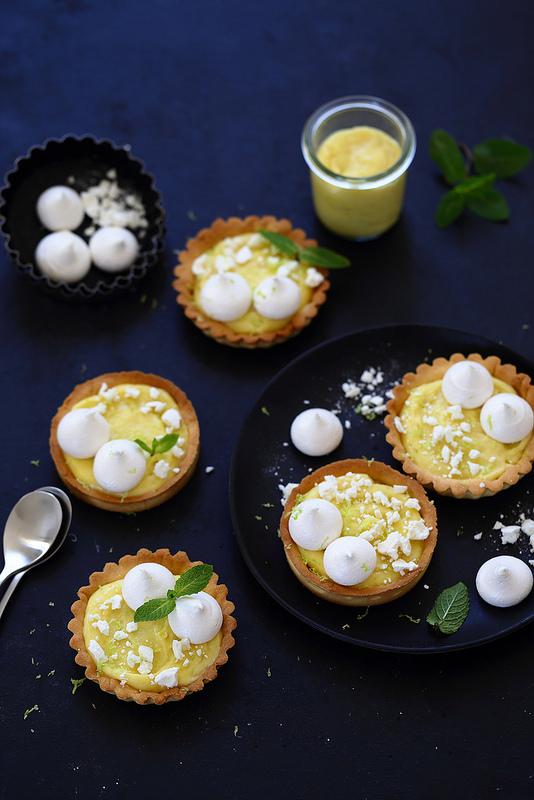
<point>371,103</point>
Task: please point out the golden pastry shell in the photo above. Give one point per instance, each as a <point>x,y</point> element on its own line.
<point>208,238</point>
<point>354,595</point>
<point>133,503</point>
<point>177,563</point>
<point>472,488</point>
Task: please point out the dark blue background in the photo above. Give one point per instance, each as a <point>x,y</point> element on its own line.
<point>212,97</point>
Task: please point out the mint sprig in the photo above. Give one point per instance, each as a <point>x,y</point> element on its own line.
<point>316,256</point>
<point>450,609</point>
<point>472,175</point>
<point>191,581</point>
<point>160,445</point>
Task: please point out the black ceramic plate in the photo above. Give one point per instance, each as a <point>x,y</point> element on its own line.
<point>264,459</point>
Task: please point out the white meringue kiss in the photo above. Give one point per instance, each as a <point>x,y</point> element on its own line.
<point>504,581</point>
<point>81,432</point>
<point>60,208</point>
<point>225,296</point>
<point>277,297</point>
<point>63,256</point>
<point>145,582</point>
<point>349,560</point>
<point>467,384</point>
<point>507,418</point>
<point>197,617</point>
<point>316,432</point>
<point>113,248</point>
<point>119,465</point>
<point>315,523</point>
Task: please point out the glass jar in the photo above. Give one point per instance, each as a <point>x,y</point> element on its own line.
<point>359,208</point>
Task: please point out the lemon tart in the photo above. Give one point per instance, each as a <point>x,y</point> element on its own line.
<point>463,426</point>
<point>150,661</point>
<point>358,533</point>
<point>241,290</point>
<point>125,441</point>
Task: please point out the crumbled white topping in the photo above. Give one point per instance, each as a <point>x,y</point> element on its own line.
<point>161,469</point>
<point>96,651</point>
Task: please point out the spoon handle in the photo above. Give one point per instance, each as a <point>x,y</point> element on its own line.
<point>9,591</point>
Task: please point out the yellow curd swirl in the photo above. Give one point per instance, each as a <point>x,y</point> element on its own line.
<point>387,516</point>
<point>449,440</point>
<point>254,258</point>
<point>137,653</point>
<point>134,411</point>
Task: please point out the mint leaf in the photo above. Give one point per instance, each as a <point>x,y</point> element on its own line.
<point>159,445</point>
<point>450,609</point>
<point>193,580</point>
<point>155,609</point>
<point>322,257</point>
<point>144,446</point>
<point>318,256</point>
<point>451,206</point>
<point>502,157</point>
<point>445,152</point>
<point>281,242</point>
<point>165,443</point>
<point>490,204</point>
<point>475,185</point>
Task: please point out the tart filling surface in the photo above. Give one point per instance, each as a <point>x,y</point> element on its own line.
<point>144,661</point>
<point>376,505</point>
<point>447,445</point>
<point>240,289</point>
<point>131,406</point>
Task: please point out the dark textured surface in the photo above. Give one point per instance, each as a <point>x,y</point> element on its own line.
<point>212,97</point>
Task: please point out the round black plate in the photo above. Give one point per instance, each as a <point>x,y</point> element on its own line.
<point>264,460</point>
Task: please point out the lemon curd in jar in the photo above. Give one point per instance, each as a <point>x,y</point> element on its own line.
<point>360,210</point>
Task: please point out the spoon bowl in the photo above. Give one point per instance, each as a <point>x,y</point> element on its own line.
<point>30,531</point>
<point>56,544</point>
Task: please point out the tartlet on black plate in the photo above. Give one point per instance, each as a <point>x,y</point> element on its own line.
<point>81,163</point>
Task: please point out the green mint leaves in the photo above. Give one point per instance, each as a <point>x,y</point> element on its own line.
<point>491,160</point>
<point>159,445</point>
<point>315,256</point>
<point>450,609</point>
<point>191,581</point>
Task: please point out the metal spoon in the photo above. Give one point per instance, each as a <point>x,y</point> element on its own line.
<point>30,531</point>
<point>54,547</point>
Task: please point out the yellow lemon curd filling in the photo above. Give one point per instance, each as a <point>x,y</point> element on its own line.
<point>136,653</point>
<point>358,211</point>
<point>359,152</point>
<point>387,516</point>
<point>134,411</point>
<point>254,258</point>
<point>449,441</point>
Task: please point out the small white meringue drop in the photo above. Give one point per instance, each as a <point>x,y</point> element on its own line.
<point>60,208</point>
<point>119,465</point>
<point>507,418</point>
<point>468,384</point>
<point>316,431</point>
<point>349,560</point>
<point>225,296</point>
<point>277,297</point>
<point>504,581</point>
<point>197,617</point>
<point>113,248</point>
<point>63,256</point>
<point>315,523</point>
<point>81,432</point>
<point>144,582</point>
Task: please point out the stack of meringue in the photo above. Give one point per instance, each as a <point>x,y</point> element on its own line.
<point>119,464</point>
<point>63,255</point>
<point>316,524</point>
<point>505,417</point>
<point>197,617</point>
